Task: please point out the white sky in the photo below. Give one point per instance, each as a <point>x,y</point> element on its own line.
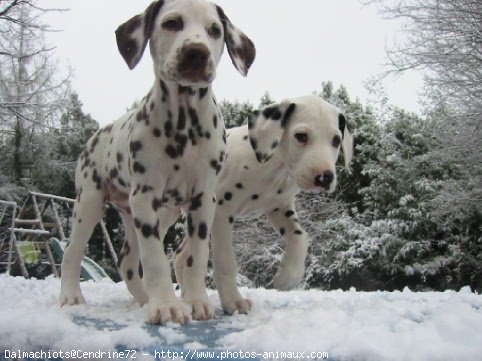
<point>299,45</point>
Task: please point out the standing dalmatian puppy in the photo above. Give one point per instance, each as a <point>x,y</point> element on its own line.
<point>161,158</point>
<point>296,145</point>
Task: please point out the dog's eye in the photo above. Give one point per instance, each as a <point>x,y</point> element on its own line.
<point>336,141</point>
<point>214,31</point>
<point>173,24</point>
<point>302,137</point>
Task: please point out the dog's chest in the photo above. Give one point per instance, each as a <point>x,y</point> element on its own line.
<point>179,150</point>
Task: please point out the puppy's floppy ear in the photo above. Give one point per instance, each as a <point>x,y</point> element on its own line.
<point>132,36</point>
<point>240,48</point>
<point>347,143</point>
<point>266,128</point>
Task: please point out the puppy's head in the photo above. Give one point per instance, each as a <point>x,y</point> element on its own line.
<point>309,133</point>
<point>187,39</point>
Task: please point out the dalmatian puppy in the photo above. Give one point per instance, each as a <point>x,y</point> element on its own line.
<point>296,145</point>
<point>161,158</point>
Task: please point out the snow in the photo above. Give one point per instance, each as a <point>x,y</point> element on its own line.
<point>347,325</point>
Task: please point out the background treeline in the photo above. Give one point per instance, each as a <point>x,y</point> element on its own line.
<point>409,214</point>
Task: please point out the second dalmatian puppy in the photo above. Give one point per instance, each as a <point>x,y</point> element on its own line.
<point>285,148</point>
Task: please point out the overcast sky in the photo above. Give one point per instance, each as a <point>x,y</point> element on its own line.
<point>299,45</point>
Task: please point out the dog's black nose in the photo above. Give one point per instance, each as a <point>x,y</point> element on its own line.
<point>193,61</point>
<point>324,180</point>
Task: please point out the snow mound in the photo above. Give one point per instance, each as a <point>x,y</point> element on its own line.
<point>344,325</point>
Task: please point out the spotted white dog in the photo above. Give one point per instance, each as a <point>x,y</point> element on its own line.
<point>162,157</point>
<point>296,145</point>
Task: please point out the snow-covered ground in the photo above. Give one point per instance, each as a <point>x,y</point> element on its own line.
<point>346,325</point>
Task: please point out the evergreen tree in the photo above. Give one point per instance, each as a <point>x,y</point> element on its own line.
<point>54,171</point>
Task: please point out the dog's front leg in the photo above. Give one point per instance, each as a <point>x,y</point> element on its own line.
<point>151,226</point>
<point>199,222</point>
<point>292,267</point>
<point>224,264</point>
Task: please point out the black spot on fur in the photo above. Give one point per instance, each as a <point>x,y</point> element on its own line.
<point>228,196</point>
<point>268,111</point>
<point>138,168</point>
<point>239,185</point>
<point>147,188</point>
<point>171,151</point>
<point>96,179</point>
<point>141,271</point>
<point>129,274</point>
<point>215,165</point>
<point>134,147</point>
<point>215,121</point>
<point>156,204</point>
<point>298,231</point>
<point>181,121</point>
<point>274,144</point>
<point>186,90</point>
<point>176,167</point>
<point>181,140</point>
<point>168,128</point>
<point>137,223</point>
<point>203,92</point>
<point>190,225</point>
<point>113,173</point>
<point>193,116</point>
<point>120,157</point>
<point>146,230</point>
<point>289,213</point>
<point>203,230</point>
<point>189,261</point>
<point>156,132</point>
<point>196,202</point>
<point>95,141</point>
<point>282,231</point>
<point>280,191</point>
<point>165,91</point>
<point>231,220</point>
<point>254,197</point>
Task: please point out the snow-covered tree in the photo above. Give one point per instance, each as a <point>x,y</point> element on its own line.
<point>54,169</point>
<point>31,92</point>
<point>235,113</point>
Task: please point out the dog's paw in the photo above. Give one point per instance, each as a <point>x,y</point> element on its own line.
<point>202,309</point>
<point>164,312</point>
<point>71,298</point>
<point>241,306</point>
<point>287,279</point>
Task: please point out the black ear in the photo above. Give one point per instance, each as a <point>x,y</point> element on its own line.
<point>240,48</point>
<point>132,36</point>
<point>266,128</point>
<point>347,143</point>
<point>342,124</point>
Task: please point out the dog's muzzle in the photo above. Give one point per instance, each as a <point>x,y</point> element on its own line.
<point>194,63</point>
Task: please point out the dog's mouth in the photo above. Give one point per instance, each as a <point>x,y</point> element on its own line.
<point>193,77</point>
